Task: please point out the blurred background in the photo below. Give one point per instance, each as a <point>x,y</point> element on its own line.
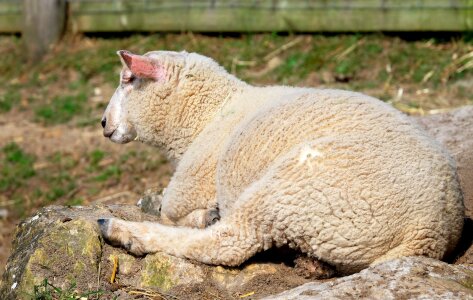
<point>58,69</point>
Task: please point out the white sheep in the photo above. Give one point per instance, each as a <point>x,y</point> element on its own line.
<point>338,175</point>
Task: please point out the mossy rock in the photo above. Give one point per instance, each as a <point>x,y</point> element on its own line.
<point>164,272</point>
<point>64,252</point>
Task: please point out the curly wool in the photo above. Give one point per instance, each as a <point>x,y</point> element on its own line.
<point>338,175</point>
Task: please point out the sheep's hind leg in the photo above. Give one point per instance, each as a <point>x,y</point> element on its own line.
<point>421,243</point>
<point>225,243</point>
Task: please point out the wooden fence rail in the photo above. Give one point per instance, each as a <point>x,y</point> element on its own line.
<point>255,15</point>
<point>234,16</point>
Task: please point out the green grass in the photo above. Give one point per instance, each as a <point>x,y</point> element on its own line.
<point>74,202</point>
<point>9,100</point>
<point>111,173</point>
<point>61,109</point>
<point>17,167</point>
<point>95,157</point>
<point>60,185</point>
<point>104,173</point>
<point>47,291</point>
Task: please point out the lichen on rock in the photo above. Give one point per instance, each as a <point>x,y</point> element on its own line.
<point>405,278</point>
<point>164,271</point>
<point>63,251</point>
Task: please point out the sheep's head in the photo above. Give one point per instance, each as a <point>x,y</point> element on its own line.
<point>146,86</point>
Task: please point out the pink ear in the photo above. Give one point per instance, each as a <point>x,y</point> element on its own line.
<point>142,66</point>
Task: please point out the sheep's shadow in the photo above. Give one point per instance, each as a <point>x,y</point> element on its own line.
<point>465,243</point>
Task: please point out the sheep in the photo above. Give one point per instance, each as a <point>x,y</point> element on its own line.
<point>338,175</point>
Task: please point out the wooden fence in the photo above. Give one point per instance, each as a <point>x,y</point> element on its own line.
<point>254,15</point>
<point>42,22</point>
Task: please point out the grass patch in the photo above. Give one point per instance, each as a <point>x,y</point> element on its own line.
<point>61,109</point>
<point>74,202</point>
<point>47,291</point>
<point>8,100</point>
<point>95,157</point>
<point>17,167</point>
<point>110,173</point>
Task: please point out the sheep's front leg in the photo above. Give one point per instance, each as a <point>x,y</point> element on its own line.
<point>190,198</point>
<point>198,218</point>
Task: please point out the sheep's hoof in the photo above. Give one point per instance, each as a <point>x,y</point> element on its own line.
<point>211,217</point>
<point>151,204</point>
<point>103,226</point>
<point>117,233</point>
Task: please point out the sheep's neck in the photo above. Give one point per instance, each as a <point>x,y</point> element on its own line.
<point>195,111</point>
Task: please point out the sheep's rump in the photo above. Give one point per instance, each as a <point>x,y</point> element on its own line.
<point>360,179</point>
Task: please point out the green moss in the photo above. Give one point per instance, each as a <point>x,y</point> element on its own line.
<point>68,252</point>
<point>468,284</point>
<point>156,273</point>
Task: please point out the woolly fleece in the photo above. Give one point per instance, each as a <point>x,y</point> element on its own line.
<point>339,175</point>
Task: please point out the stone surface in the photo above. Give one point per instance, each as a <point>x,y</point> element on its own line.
<point>165,272</point>
<point>231,278</point>
<point>455,131</point>
<point>63,245</point>
<point>58,248</point>
<point>406,278</point>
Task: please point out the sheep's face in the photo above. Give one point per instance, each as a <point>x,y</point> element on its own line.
<point>140,98</point>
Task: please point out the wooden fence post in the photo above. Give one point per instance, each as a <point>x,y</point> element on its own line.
<point>43,25</point>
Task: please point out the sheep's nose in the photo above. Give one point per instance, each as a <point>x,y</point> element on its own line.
<point>108,133</point>
<point>104,122</point>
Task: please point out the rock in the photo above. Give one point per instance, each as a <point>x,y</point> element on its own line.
<point>41,245</point>
<point>455,131</point>
<point>164,272</point>
<point>231,278</point>
<point>60,244</point>
<point>405,278</point>
<point>64,246</point>
<point>150,203</point>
